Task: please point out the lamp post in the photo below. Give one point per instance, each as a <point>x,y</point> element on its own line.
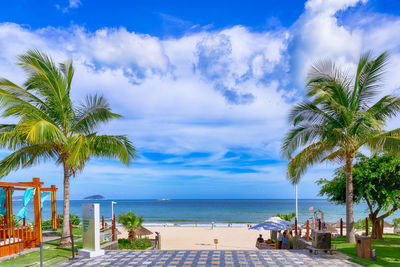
<point>112,209</point>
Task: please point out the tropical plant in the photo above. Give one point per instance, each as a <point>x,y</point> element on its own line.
<point>50,126</point>
<point>338,118</point>
<point>16,220</point>
<point>139,244</point>
<point>287,217</point>
<point>131,222</point>
<point>376,181</point>
<point>74,219</point>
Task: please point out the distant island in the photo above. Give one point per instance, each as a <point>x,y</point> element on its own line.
<point>95,197</point>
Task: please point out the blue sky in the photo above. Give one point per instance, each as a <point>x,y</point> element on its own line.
<point>204,86</point>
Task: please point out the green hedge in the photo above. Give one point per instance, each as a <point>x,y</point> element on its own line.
<point>139,244</point>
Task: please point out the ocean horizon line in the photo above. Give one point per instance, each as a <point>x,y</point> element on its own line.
<point>169,199</point>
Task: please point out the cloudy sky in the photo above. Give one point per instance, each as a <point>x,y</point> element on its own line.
<point>204,86</point>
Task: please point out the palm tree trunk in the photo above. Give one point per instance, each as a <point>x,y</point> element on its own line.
<point>350,238</point>
<point>66,242</point>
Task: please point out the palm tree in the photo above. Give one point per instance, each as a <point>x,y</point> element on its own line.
<point>50,126</point>
<point>131,222</point>
<point>338,118</point>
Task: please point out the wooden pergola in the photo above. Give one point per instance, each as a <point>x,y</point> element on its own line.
<point>9,233</point>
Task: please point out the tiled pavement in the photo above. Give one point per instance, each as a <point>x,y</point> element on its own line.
<point>210,258</point>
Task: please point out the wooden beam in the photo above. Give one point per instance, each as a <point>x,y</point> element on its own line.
<point>53,208</point>
<point>25,184</point>
<point>38,212</point>
<point>51,189</point>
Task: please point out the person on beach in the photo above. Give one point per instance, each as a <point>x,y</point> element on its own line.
<point>285,241</point>
<point>280,236</point>
<point>260,239</point>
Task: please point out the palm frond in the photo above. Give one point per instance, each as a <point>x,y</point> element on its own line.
<point>111,147</point>
<point>90,114</point>
<point>25,157</point>
<point>369,76</point>
<point>309,156</point>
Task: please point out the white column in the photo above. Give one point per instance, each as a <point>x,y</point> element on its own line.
<point>297,210</point>
<point>91,230</point>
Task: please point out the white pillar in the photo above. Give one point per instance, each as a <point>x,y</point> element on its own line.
<point>297,210</point>
<point>91,230</point>
<point>112,209</point>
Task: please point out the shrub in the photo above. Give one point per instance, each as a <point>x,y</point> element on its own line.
<point>396,222</point>
<point>72,218</point>
<point>360,224</point>
<point>139,244</point>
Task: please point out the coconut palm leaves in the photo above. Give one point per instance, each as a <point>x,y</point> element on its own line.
<point>338,118</point>
<point>131,222</point>
<point>50,126</point>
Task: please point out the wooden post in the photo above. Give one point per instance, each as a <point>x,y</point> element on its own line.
<point>319,224</point>
<point>341,227</point>
<point>102,223</point>
<point>53,208</point>
<point>295,226</point>
<point>38,212</point>
<point>113,228</point>
<point>23,221</point>
<point>70,227</point>
<point>366,226</point>
<point>9,211</point>
<point>308,230</point>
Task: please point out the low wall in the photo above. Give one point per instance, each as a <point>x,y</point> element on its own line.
<point>299,243</point>
<point>113,245</point>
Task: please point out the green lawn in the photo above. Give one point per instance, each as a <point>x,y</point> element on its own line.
<point>51,256</point>
<point>387,251</point>
<point>76,231</point>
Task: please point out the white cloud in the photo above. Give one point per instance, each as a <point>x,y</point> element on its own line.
<point>71,4</point>
<point>209,91</point>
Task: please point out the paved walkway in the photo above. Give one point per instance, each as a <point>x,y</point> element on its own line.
<point>211,258</point>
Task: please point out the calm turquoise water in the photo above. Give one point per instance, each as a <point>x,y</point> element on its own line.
<point>188,212</point>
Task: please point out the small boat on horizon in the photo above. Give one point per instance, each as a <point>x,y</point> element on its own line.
<point>164,199</point>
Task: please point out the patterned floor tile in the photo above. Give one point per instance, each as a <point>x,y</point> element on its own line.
<point>186,258</point>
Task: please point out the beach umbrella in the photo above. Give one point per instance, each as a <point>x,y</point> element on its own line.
<point>273,224</point>
<point>278,221</point>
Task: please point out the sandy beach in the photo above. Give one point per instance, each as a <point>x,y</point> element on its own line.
<point>198,238</point>
<point>202,238</point>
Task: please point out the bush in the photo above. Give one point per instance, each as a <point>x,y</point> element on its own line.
<point>72,218</point>
<point>360,224</point>
<point>139,244</point>
<point>396,222</point>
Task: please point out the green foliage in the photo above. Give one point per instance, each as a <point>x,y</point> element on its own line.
<point>360,224</point>
<point>376,179</point>
<point>340,116</point>
<point>50,126</point>
<point>47,224</point>
<point>130,221</point>
<point>17,221</point>
<point>72,218</point>
<point>396,221</point>
<point>287,217</point>
<point>139,244</point>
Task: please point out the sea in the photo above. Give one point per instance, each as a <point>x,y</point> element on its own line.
<point>190,212</point>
